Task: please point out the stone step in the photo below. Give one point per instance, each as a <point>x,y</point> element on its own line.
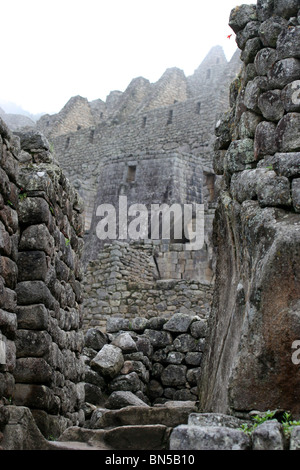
<point>146,437</point>
<point>169,416</point>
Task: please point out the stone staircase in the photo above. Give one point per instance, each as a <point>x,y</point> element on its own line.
<point>129,428</point>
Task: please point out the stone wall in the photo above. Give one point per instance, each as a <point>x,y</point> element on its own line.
<point>124,281</point>
<point>155,360</point>
<point>41,243</point>
<point>255,312</point>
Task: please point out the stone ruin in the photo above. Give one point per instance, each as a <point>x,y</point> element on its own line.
<point>147,345</point>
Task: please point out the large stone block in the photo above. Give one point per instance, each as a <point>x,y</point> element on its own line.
<point>109,360</point>
<point>288,133</point>
<point>33,370</point>
<point>208,438</point>
<point>268,436</point>
<point>33,317</point>
<point>288,43</point>
<point>35,292</point>
<point>174,375</point>
<point>241,15</point>
<point>239,155</point>
<point>284,72</point>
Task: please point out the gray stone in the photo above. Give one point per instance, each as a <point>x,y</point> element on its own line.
<point>33,210</point>
<point>248,123</point>
<point>175,357</point>
<point>139,324</point>
<point>95,339</point>
<point>287,164</point>
<point>268,436</point>
<point>265,141</point>
<point>288,133</point>
<point>241,15</point>
<point>252,47</point>
<point>208,438</point>
<point>264,9</point>
<point>295,438</point>
<point>186,343</point>
<point>32,343</point>
<point>284,72</point>
<point>288,43</point>
<point>33,317</point>
<point>270,30</point>
<point>33,140</point>
<point>174,375</point>
<point>249,32</point>
<point>214,419</point>
<point>109,360</point>
<point>178,323</point>
<point>129,382</point>
<point>35,292</point>
<point>33,370</point>
<point>286,8</point>
<point>199,329</point>
<point>296,194</point>
<point>290,96</point>
<point>37,237</point>
<point>264,60</point>
<point>273,190</point>
<point>120,399</point>
<point>159,339</point>
<point>252,93</point>
<point>115,324</point>
<point>26,260</point>
<point>193,358</point>
<point>125,342</point>
<point>93,394</point>
<point>239,155</point>
<point>271,105</point>
<point>155,389</point>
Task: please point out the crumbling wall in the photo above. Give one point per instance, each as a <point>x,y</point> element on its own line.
<point>41,243</point>
<point>255,312</point>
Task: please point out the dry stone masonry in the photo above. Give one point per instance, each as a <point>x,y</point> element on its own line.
<point>41,241</point>
<point>254,319</point>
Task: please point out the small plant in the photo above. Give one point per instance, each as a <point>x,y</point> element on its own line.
<point>22,196</point>
<point>286,422</point>
<point>67,241</point>
<point>270,167</point>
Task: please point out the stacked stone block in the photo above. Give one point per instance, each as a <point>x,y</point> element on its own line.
<point>156,360</point>
<point>41,228</point>
<point>257,220</point>
<point>124,280</point>
<point>9,240</point>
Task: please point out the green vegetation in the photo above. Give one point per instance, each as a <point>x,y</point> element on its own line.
<point>286,421</point>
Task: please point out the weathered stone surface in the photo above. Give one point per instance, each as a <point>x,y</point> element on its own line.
<point>264,9</point>
<point>186,343</point>
<point>95,339</point>
<point>121,399</point>
<point>151,437</point>
<point>33,210</point>
<point>33,317</point>
<point>286,8</point>
<point>214,419</point>
<point>296,194</point>
<point>270,30</point>
<point>265,140</point>
<point>252,93</point>
<point>271,105</point>
<point>116,324</point>
<point>271,242</point>
<point>284,72</point>
<point>249,32</point>
<point>287,133</point>
<point>288,43</point>
<point>252,47</point>
<point>239,155</point>
<point>265,59</point>
<point>34,292</point>
<point>248,123</point>
<point>37,237</point>
<point>129,382</point>
<point>108,361</point>
<point>268,436</point>
<point>208,438</point>
<point>179,323</point>
<point>273,190</point>
<point>159,339</point>
<point>32,343</point>
<point>21,432</point>
<point>287,164</point>
<point>125,342</point>
<point>33,140</point>
<point>33,370</point>
<point>295,438</point>
<point>26,260</point>
<point>241,15</point>
<point>174,375</point>
<point>290,96</point>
